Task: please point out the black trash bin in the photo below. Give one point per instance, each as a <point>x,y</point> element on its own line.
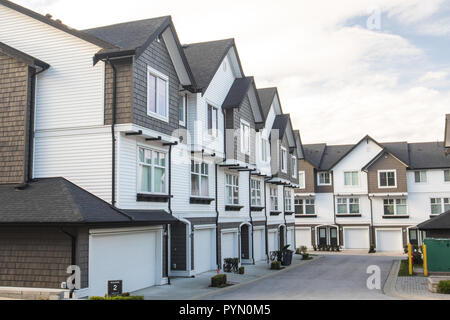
<point>286,258</point>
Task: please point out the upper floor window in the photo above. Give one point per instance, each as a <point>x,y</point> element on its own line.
<point>287,201</point>
<point>447,175</point>
<point>273,199</point>
<point>347,205</point>
<point>213,121</point>
<point>294,166</point>
<point>182,110</point>
<point>283,160</point>
<point>305,206</point>
<point>232,189</point>
<point>440,205</point>
<point>245,137</point>
<point>199,179</point>
<point>301,180</point>
<point>157,94</point>
<point>152,171</point>
<point>395,207</point>
<point>351,178</point>
<point>420,176</point>
<point>387,179</point>
<point>256,192</point>
<point>265,149</point>
<point>324,179</point>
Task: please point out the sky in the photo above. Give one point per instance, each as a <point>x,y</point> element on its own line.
<point>343,68</point>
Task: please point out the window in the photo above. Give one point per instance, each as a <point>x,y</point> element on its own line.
<point>182,110</point>
<point>283,160</point>
<point>157,94</point>
<point>287,201</point>
<point>213,121</point>
<point>301,179</point>
<point>265,149</point>
<point>199,179</point>
<point>420,176</point>
<point>294,167</point>
<point>152,171</point>
<point>245,137</point>
<point>232,189</point>
<point>395,207</point>
<point>273,199</point>
<point>256,193</point>
<point>440,205</point>
<point>351,178</point>
<point>348,206</point>
<point>305,206</point>
<point>324,178</point>
<point>447,175</point>
<point>387,179</point>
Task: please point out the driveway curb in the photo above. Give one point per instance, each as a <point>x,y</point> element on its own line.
<point>269,275</point>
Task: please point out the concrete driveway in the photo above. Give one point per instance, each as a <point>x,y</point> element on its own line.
<point>336,276</point>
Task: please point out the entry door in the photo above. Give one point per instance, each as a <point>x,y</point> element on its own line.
<point>413,237</point>
<point>323,236</point>
<point>333,237</point>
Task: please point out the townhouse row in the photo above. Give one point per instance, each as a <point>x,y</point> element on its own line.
<point>134,157</point>
<point>370,193</point>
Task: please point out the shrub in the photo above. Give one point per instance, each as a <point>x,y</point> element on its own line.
<point>276,265</point>
<point>305,256</point>
<point>219,280</point>
<point>241,270</point>
<point>444,287</point>
<point>302,250</point>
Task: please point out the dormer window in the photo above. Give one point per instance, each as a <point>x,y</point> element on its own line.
<point>324,179</point>
<point>157,95</point>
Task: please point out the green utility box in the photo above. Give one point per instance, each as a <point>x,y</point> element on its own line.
<point>438,255</point>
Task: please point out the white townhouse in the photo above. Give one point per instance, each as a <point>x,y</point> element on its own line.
<point>370,193</point>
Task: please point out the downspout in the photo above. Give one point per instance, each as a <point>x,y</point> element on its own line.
<point>266,222</point>
<point>166,227</point>
<point>113,134</point>
<point>217,218</point>
<point>372,233</point>
<point>250,211</point>
<point>284,216</point>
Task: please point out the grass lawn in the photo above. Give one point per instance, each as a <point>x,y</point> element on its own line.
<point>404,269</point>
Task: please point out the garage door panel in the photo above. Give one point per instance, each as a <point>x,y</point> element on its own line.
<point>272,241</point>
<point>389,240</point>
<point>356,238</point>
<point>258,244</point>
<point>303,238</point>
<point>203,250</point>
<point>229,249</point>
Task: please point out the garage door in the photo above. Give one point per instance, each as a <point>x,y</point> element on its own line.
<point>303,237</point>
<point>258,241</point>
<point>131,257</point>
<point>389,240</point>
<point>229,245</point>
<point>356,238</point>
<point>203,255</point>
<point>273,241</point>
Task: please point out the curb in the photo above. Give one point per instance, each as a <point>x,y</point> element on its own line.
<point>269,275</point>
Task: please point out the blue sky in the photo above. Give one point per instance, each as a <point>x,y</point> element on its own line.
<point>339,79</point>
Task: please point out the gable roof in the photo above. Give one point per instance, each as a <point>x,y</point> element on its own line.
<point>237,93</point>
<point>266,96</point>
<point>313,153</point>
<point>57,24</point>
<point>23,57</point>
<point>428,155</point>
<point>56,201</point>
<point>205,58</point>
<point>332,155</point>
<point>440,222</point>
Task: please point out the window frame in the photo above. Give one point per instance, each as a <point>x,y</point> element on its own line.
<point>448,171</point>
<point>152,168</point>
<point>154,114</point>
<point>294,166</point>
<point>201,176</point>
<point>387,179</point>
<point>318,178</point>
<point>302,185</point>
<point>304,204</point>
<point>265,150</point>
<point>184,107</point>
<point>234,184</point>
<point>245,124</point>
<point>395,205</point>
<point>357,178</point>
<point>348,203</point>
<point>274,205</point>
<point>420,176</point>
<point>287,200</point>
<point>442,203</point>
<point>254,197</point>
<point>212,131</point>
<point>284,156</point>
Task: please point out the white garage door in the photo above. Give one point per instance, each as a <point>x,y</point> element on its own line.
<point>258,241</point>
<point>303,237</point>
<point>356,238</point>
<point>203,250</point>
<point>131,257</point>
<point>229,245</point>
<point>389,240</point>
<point>272,241</point>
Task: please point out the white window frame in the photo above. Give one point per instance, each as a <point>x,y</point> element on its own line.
<point>287,200</point>
<point>214,130</point>
<point>442,203</point>
<point>152,168</point>
<point>284,156</point>
<point>274,205</point>
<point>245,124</point>
<point>256,193</point>
<point>351,182</point>
<point>304,203</point>
<point>162,76</point>
<point>265,150</point>
<point>184,121</point>
<point>318,178</point>
<point>201,177</point>
<point>447,170</point>
<point>387,180</point>
<point>294,166</point>
<point>395,204</point>
<point>234,184</point>
<point>302,183</point>
<point>347,204</point>
<point>420,171</point>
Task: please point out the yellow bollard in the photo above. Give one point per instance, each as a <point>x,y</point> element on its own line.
<point>410,259</point>
<point>425,264</point>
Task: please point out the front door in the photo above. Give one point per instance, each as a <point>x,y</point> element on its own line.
<point>333,237</point>
<point>323,236</point>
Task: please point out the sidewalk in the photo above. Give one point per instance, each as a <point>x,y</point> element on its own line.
<point>198,287</point>
<point>357,252</point>
<point>410,288</point>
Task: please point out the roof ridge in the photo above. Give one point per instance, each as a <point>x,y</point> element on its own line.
<point>126,22</point>
<point>205,42</point>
